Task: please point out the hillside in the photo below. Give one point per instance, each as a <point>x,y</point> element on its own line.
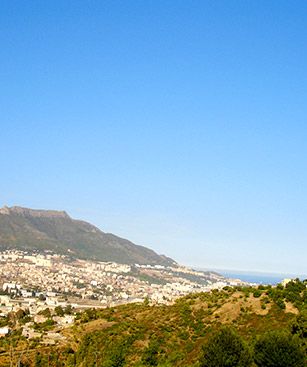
<point>176,335</point>
<point>28,229</point>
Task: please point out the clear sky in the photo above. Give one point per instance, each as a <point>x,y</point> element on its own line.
<point>180,125</point>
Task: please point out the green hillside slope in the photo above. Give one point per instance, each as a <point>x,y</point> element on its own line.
<point>23,228</point>
<point>139,335</point>
<point>244,327</point>
<point>247,327</point>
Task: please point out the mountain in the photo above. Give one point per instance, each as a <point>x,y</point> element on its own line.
<point>29,229</point>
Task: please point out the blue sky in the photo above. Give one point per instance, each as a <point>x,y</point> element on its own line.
<point>181,125</point>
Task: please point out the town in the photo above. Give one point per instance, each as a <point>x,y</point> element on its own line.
<point>43,287</point>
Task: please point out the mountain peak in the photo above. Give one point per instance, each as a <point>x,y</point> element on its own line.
<point>32,229</point>
<point>26,212</point>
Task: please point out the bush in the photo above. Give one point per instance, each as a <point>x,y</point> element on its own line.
<point>280,303</point>
<point>257,293</point>
<point>59,311</point>
<point>226,348</point>
<point>299,326</point>
<point>151,353</point>
<point>279,349</point>
<point>46,312</point>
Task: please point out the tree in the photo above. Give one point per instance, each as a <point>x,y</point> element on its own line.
<point>151,353</point>
<point>68,310</point>
<point>226,348</point>
<point>41,297</point>
<point>38,360</point>
<point>299,327</point>
<point>46,312</point>
<point>59,311</point>
<point>20,314</point>
<point>279,349</point>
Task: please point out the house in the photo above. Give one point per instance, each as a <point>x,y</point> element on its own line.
<point>4,331</point>
<point>64,320</point>
<point>286,281</point>
<point>29,333</point>
<point>4,300</point>
<point>40,319</point>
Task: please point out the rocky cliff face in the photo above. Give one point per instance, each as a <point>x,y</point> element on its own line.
<point>25,212</point>
<point>29,229</point>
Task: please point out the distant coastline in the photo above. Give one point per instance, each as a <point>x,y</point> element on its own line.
<point>257,277</point>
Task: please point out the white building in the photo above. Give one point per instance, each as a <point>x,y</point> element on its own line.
<point>4,331</point>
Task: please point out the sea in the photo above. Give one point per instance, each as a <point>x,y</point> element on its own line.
<point>258,277</point>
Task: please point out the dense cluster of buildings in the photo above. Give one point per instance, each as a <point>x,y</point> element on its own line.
<point>37,281</point>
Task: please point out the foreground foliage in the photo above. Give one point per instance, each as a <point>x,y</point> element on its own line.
<point>279,349</point>
<point>242,326</point>
<point>226,349</point>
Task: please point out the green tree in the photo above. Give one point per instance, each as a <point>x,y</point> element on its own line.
<point>59,311</point>
<point>151,353</point>
<point>299,326</point>
<point>20,314</point>
<point>226,348</point>
<point>46,312</point>
<point>279,349</point>
<point>39,360</point>
<point>41,297</point>
<point>68,310</point>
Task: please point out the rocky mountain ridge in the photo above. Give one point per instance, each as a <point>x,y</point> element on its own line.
<point>39,213</point>
<point>30,229</point>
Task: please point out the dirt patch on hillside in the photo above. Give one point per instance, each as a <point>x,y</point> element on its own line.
<point>237,295</point>
<point>228,312</point>
<point>97,325</point>
<point>291,309</point>
<point>231,310</point>
<point>255,305</point>
<point>199,305</point>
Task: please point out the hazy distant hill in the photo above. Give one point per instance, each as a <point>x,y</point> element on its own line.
<point>23,228</point>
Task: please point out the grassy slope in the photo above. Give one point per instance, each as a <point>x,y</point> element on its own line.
<point>178,332</point>
<point>172,335</point>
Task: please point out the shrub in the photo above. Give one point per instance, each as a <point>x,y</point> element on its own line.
<point>226,348</point>
<point>257,293</point>
<point>279,349</point>
<point>59,311</point>
<point>299,326</point>
<point>280,303</point>
<point>151,353</point>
